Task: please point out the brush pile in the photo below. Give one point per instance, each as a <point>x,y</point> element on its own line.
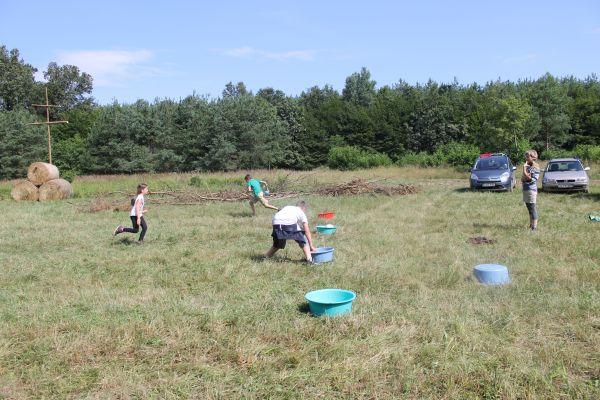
<point>359,186</point>
<point>286,190</point>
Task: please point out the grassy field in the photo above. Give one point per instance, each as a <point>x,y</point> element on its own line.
<point>195,313</point>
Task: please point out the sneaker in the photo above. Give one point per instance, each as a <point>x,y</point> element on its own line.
<point>118,229</point>
<point>139,242</point>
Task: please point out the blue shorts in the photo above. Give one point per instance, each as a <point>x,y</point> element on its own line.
<point>282,233</point>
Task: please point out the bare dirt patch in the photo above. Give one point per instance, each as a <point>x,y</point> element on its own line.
<point>481,240</point>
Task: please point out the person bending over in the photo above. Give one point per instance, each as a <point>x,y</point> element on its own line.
<point>290,223</point>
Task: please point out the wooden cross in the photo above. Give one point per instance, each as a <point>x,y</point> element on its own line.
<point>48,123</point>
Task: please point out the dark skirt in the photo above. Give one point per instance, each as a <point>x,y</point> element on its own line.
<point>282,233</point>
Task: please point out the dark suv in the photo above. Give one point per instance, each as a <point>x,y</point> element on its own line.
<point>493,171</point>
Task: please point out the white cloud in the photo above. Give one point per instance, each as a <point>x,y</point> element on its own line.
<point>111,67</point>
<point>250,52</point>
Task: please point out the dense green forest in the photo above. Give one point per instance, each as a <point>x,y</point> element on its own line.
<point>362,126</point>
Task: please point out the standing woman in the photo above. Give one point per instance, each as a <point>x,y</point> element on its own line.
<point>137,215</point>
<point>531,174</point>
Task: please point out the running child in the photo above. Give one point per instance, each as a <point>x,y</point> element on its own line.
<point>255,186</point>
<point>137,215</point>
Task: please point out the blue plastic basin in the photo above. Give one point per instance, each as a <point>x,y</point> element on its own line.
<point>322,254</point>
<point>491,274</point>
<point>327,230</point>
<point>330,302</point>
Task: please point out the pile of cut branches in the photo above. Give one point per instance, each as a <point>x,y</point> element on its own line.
<point>193,196</point>
<point>358,186</point>
<point>102,204</point>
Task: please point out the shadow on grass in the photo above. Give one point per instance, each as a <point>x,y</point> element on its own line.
<point>125,242</point>
<point>276,259</point>
<point>469,190</point>
<point>463,190</point>
<point>479,225</point>
<point>304,309</point>
<point>240,214</point>
<point>591,196</point>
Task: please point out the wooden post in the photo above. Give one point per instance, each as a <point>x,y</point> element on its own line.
<point>48,123</point>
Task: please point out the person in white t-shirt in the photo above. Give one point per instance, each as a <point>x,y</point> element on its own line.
<point>290,223</point>
<point>137,214</point>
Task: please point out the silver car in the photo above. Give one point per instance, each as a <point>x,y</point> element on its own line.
<point>493,171</point>
<point>565,175</point>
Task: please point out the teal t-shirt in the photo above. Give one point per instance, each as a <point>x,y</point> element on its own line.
<point>255,185</point>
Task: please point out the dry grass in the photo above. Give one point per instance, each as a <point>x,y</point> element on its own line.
<point>194,313</point>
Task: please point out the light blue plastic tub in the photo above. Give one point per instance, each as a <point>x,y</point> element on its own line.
<point>322,254</point>
<point>330,302</point>
<point>491,274</point>
<point>327,230</point>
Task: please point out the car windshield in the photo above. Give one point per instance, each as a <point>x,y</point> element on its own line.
<point>489,163</point>
<point>561,166</point>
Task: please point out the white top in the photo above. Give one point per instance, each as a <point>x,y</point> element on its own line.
<point>290,215</point>
<point>140,198</point>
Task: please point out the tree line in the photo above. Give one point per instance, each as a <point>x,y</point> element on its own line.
<point>269,129</point>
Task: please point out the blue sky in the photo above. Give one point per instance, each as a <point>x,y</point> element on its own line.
<point>171,49</point>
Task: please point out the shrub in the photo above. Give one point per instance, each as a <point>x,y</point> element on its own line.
<point>375,159</point>
<point>69,175</point>
<point>555,153</point>
<point>454,153</point>
<point>587,152</point>
<point>421,159</point>
<point>457,154</point>
<point>216,182</point>
<point>516,152</point>
<point>352,158</point>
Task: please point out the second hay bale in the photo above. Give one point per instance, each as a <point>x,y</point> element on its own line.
<point>40,172</point>
<point>55,189</point>
<point>25,190</point>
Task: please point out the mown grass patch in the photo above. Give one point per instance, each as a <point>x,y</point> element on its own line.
<point>194,313</point>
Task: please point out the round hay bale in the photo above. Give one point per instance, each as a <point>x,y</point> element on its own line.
<point>56,189</point>
<point>25,190</point>
<point>40,172</point>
